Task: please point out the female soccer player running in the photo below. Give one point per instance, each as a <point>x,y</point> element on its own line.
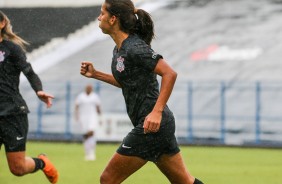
<point>134,69</point>
<point>13,109</point>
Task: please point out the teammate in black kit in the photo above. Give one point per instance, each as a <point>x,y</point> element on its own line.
<point>13,109</point>
<point>135,67</point>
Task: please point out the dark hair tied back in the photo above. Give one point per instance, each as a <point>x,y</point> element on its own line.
<point>132,20</point>
<point>144,26</point>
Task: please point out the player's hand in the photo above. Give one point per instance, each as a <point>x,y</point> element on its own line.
<point>152,122</point>
<point>45,97</point>
<point>87,69</point>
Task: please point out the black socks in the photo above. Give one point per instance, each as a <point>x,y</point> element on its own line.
<point>39,164</point>
<point>197,181</point>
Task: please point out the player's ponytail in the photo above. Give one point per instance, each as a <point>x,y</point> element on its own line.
<point>144,26</point>
<point>132,20</point>
<point>8,34</point>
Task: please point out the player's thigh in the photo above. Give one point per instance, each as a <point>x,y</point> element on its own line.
<point>120,167</point>
<point>173,167</point>
<point>13,132</point>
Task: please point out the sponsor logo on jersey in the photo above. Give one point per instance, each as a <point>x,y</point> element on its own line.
<point>2,56</point>
<point>120,64</point>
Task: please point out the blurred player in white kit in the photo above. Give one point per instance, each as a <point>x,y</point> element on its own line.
<point>87,112</point>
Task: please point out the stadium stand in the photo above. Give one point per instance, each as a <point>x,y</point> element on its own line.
<point>39,25</point>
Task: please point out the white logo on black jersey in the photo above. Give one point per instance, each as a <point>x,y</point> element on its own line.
<point>2,56</point>
<point>19,138</point>
<point>120,64</point>
<point>127,147</point>
<point>154,56</point>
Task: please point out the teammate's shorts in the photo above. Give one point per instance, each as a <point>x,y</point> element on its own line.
<point>150,146</point>
<point>13,132</point>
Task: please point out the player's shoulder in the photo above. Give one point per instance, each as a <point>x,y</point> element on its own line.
<point>135,44</point>
<point>94,95</point>
<point>9,43</point>
<point>12,46</point>
<point>135,40</point>
<point>80,95</point>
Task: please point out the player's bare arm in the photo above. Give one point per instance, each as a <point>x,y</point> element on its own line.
<point>87,69</point>
<point>153,120</point>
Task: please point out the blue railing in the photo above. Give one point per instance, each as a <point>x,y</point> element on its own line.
<point>260,95</point>
<point>230,113</point>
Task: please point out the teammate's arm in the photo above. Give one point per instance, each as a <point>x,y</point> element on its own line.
<point>87,69</point>
<point>36,84</point>
<point>20,60</point>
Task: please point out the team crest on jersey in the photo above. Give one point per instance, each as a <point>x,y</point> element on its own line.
<point>120,64</point>
<point>2,56</point>
<point>154,55</point>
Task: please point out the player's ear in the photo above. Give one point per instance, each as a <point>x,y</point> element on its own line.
<point>113,19</point>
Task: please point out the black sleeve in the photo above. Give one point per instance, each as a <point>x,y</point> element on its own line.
<point>145,56</point>
<point>32,77</point>
<point>20,60</point>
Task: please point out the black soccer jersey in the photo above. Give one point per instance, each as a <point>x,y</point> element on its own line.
<point>132,66</point>
<point>12,63</point>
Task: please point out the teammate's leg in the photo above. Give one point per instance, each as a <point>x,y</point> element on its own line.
<point>14,135</point>
<point>19,164</point>
<point>173,167</point>
<point>120,167</point>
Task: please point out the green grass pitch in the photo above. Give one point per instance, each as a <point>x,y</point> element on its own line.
<point>213,165</point>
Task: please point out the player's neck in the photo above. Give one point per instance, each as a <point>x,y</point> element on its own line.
<point>119,38</point>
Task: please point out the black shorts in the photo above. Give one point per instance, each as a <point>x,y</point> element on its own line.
<point>152,145</point>
<point>13,132</point>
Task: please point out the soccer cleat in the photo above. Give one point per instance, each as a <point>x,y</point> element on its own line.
<point>49,170</point>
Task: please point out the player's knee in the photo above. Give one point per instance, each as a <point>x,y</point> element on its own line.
<point>17,170</point>
<point>105,178</point>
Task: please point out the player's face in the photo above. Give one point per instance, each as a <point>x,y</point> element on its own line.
<point>88,89</point>
<point>106,20</point>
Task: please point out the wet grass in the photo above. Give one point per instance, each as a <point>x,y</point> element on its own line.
<point>213,165</point>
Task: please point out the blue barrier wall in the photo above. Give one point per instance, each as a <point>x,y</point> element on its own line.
<point>212,112</point>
